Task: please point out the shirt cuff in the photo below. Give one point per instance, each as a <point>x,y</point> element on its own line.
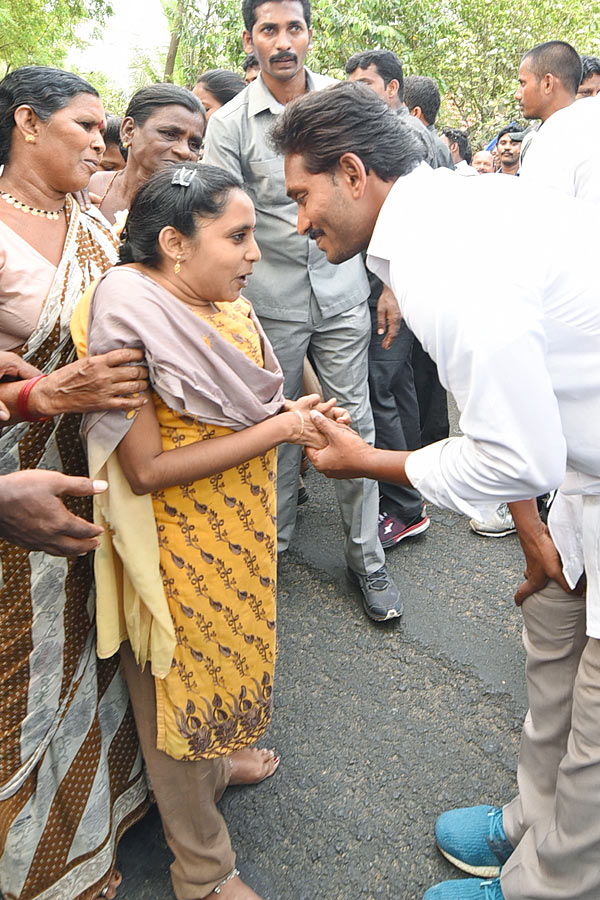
<point>424,470</point>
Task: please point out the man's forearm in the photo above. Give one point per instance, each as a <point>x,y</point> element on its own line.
<point>388,465</point>
<point>527,520</point>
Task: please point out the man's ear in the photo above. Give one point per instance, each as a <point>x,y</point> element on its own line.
<point>392,88</point>
<point>310,40</point>
<point>353,173</point>
<point>247,41</point>
<point>416,112</point>
<point>548,82</point>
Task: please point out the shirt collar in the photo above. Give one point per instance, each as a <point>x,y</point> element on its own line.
<point>261,98</point>
<point>396,209</point>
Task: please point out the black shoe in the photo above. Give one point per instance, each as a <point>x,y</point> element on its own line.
<point>381,597</point>
<point>302,492</point>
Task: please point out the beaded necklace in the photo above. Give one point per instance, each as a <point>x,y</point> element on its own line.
<point>18,204</point>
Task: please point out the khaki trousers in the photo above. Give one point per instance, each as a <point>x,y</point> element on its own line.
<point>186,793</point>
<point>554,822</point>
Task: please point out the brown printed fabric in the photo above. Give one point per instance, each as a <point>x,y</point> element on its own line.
<point>71,778</point>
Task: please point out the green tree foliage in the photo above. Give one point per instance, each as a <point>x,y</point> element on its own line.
<point>205,34</point>
<point>42,31</point>
<point>114,99</point>
<point>471,47</point>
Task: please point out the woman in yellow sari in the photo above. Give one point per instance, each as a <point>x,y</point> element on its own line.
<point>198,586</point>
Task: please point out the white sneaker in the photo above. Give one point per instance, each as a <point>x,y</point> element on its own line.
<point>499,525</point>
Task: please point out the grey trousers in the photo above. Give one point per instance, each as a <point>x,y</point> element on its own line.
<point>338,349</point>
<point>554,822</point>
<point>187,792</point>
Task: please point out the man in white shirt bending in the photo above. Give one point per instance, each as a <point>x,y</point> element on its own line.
<point>522,361</point>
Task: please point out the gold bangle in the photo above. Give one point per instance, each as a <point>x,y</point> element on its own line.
<point>298,413</point>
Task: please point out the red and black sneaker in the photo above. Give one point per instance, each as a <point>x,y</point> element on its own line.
<point>392,530</point>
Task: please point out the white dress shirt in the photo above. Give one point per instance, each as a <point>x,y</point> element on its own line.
<point>565,157</point>
<point>516,340</point>
<point>565,153</point>
<point>463,168</point>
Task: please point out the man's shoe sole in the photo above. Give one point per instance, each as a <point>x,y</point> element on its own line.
<point>496,534</point>
<point>478,871</point>
<point>413,531</point>
<point>391,613</point>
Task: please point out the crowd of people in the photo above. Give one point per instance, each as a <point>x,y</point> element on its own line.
<point>172,281</point>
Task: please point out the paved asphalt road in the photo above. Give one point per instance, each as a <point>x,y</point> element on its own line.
<point>380,727</point>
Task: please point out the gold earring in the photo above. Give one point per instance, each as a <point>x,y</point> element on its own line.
<point>126,144</point>
<point>30,139</point>
<point>177,266</point>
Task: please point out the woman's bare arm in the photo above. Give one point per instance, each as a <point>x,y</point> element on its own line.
<point>148,467</point>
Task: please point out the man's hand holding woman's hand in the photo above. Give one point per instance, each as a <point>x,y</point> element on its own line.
<point>343,454</point>
<point>307,434</point>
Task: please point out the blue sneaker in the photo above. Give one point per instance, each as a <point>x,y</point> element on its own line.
<point>473,839</point>
<point>465,889</point>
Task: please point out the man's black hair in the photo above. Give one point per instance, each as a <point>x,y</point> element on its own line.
<point>250,62</point>
<point>510,129</point>
<point>556,58</point>
<point>424,92</point>
<point>590,65</point>
<point>461,138</point>
<point>249,12</point>
<point>346,118</point>
<point>387,64</point>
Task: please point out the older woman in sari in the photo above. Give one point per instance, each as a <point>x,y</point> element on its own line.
<point>70,772</point>
<point>163,125</point>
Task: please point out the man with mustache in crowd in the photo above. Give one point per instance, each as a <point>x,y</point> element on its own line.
<point>509,150</point>
<point>305,304</point>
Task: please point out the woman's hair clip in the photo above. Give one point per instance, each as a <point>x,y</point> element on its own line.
<point>183,176</point>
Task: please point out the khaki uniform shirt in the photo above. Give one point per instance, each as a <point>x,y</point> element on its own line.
<point>292,266</point>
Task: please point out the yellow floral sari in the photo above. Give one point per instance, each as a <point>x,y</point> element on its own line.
<point>218,560</point>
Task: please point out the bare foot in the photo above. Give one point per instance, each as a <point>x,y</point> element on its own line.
<point>252,765</point>
<point>110,892</point>
<point>235,889</point>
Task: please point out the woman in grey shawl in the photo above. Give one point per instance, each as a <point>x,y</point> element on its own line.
<point>190,536</point>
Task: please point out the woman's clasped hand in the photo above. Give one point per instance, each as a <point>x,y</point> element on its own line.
<point>308,435</point>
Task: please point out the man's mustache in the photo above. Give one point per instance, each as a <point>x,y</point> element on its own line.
<point>314,233</point>
<point>284,55</point>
